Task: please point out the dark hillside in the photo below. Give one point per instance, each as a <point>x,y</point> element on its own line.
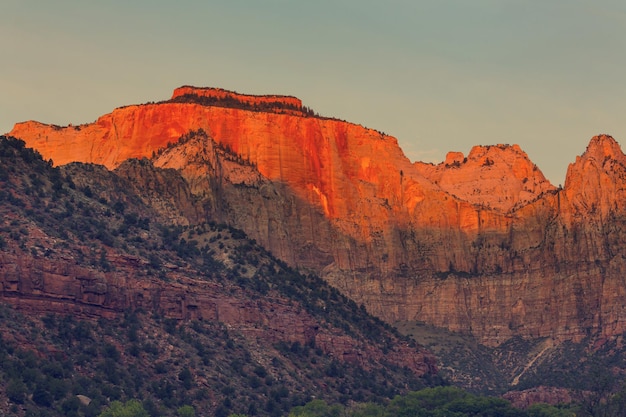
<point>111,295</point>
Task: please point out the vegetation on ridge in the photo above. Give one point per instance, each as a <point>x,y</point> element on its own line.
<point>56,364</point>
<point>277,106</point>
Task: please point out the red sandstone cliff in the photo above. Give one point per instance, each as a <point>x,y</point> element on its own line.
<point>482,244</point>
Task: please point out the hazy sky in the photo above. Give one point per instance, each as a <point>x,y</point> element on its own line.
<point>439,75</point>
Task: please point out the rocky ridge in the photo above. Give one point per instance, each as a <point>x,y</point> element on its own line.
<point>92,244</point>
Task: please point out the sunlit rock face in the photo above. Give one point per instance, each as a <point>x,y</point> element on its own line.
<point>481,244</point>
<point>499,177</point>
<point>594,185</point>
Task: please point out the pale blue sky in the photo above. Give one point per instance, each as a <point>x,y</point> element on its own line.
<point>439,75</point>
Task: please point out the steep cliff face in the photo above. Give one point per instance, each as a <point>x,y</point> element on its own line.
<point>483,244</point>
<point>330,166</point>
<point>556,269</point>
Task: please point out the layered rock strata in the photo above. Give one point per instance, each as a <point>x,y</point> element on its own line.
<point>63,288</point>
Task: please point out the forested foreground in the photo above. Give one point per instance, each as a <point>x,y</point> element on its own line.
<point>433,402</point>
<point>430,402</point>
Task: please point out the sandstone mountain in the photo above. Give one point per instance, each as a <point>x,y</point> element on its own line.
<point>482,244</point>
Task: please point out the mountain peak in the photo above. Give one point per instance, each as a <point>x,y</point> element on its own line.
<point>497,176</point>
<point>603,147</point>
<point>500,151</point>
<point>595,182</point>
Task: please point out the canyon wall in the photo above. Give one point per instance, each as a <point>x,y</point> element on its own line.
<point>481,244</point>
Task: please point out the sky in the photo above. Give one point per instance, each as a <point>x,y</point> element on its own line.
<point>440,75</point>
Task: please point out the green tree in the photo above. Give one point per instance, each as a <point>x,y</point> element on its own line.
<point>316,408</point>
<point>16,391</point>
<point>41,396</point>
<point>131,408</point>
<point>186,378</point>
<point>545,410</point>
<point>70,406</point>
<point>186,411</point>
<point>418,402</point>
<point>369,410</point>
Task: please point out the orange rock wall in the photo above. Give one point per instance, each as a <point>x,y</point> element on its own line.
<point>483,244</point>
<point>333,165</point>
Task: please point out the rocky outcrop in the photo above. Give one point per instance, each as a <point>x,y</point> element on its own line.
<point>499,177</point>
<point>594,186</point>
<point>555,270</point>
<point>483,244</point>
<point>542,395</point>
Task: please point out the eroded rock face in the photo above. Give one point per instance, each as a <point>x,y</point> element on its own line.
<point>483,244</point>
<point>594,183</point>
<point>500,177</point>
<point>62,287</point>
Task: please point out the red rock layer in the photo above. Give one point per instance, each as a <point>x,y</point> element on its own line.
<point>58,286</point>
<point>334,165</point>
